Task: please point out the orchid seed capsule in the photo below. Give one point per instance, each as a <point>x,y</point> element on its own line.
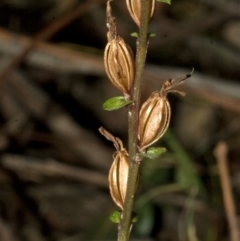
<point>119,64</point>
<point>118,176</point>
<point>154,118</point>
<point>134,8</point>
<point>155,113</point>
<point>118,57</point>
<point>118,173</point>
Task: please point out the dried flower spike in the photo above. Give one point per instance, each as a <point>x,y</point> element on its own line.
<point>155,113</point>
<point>118,58</point>
<point>134,8</point>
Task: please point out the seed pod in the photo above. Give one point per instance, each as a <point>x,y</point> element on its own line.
<point>118,176</point>
<point>155,113</point>
<point>119,64</point>
<point>134,8</point>
<point>154,120</point>
<point>118,57</point>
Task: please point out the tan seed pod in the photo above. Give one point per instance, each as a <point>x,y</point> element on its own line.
<point>154,120</point>
<point>118,57</point>
<point>118,176</point>
<point>118,173</point>
<point>134,8</point>
<point>155,113</point>
<point>119,64</point>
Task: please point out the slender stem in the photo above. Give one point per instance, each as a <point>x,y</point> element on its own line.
<point>125,224</point>
<point>220,153</point>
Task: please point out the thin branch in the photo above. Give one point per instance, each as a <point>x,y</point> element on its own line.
<point>61,124</point>
<point>47,33</point>
<point>31,167</point>
<point>220,153</point>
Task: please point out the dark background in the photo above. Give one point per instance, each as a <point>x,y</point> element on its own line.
<point>54,163</point>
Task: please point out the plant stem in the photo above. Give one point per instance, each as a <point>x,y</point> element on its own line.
<point>142,43</point>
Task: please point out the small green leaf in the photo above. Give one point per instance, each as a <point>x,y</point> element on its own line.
<point>165,1</point>
<point>115,103</point>
<point>154,152</point>
<point>134,217</point>
<point>151,35</point>
<point>134,34</point>
<point>115,216</point>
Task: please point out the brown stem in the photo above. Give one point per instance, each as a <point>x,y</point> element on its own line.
<point>142,42</point>
<point>220,153</point>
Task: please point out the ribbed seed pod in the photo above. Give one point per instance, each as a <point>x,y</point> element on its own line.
<point>118,176</point>
<point>119,64</point>
<point>154,120</point>
<point>118,57</point>
<point>155,113</point>
<point>134,8</point>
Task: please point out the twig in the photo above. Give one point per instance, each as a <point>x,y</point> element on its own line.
<point>32,167</point>
<point>56,58</point>
<point>77,139</point>
<point>220,153</point>
<point>47,33</point>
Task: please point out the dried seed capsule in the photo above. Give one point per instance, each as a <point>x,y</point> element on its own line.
<point>118,57</point>
<point>155,113</point>
<point>134,8</point>
<point>118,176</point>
<point>154,119</point>
<point>119,64</point>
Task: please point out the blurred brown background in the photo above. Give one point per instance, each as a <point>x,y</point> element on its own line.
<point>54,163</point>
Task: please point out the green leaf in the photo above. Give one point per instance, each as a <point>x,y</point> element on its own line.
<point>151,35</point>
<point>115,216</point>
<point>115,103</point>
<point>134,34</point>
<point>134,217</point>
<point>154,152</point>
<point>165,1</point>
